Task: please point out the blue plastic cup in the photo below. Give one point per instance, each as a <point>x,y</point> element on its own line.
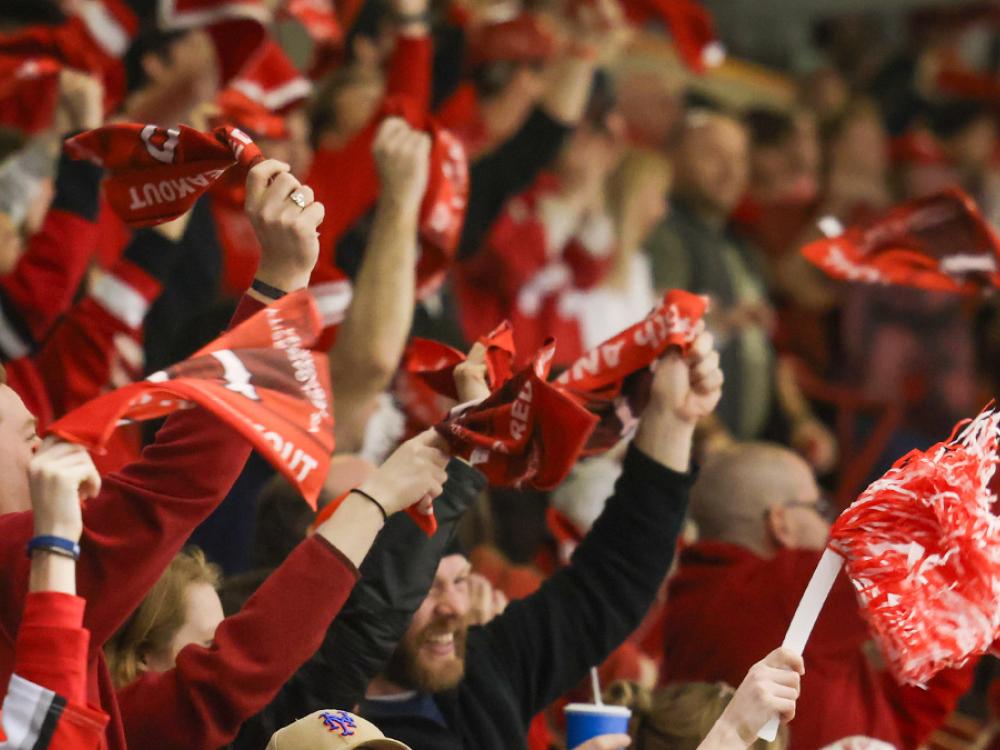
<point>587,720</point>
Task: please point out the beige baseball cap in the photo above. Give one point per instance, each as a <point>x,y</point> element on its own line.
<point>332,730</point>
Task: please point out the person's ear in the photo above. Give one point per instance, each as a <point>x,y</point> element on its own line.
<point>779,527</point>
<point>143,666</point>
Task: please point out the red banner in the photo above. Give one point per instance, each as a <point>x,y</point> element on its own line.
<point>613,380</point>
<point>922,547</point>
<point>938,243</point>
<point>262,378</point>
<point>156,174</point>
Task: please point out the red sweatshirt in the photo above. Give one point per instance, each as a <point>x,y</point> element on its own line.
<point>202,702</point>
<point>50,679</point>
<point>344,179</point>
<point>727,608</point>
<point>132,531</point>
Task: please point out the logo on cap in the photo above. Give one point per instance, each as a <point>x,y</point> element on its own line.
<point>339,721</point>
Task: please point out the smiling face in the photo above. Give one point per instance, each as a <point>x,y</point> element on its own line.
<point>431,656</point>
<point>18,442</point>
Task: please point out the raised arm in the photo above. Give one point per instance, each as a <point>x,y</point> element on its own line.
<point>372,338</point>
<point>201,703</point>
<point>545,643</point>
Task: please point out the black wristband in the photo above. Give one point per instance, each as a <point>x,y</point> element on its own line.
<point>385,516</point>
<point>271,292</point>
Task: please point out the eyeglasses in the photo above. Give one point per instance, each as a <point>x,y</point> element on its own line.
<point>821,506</point>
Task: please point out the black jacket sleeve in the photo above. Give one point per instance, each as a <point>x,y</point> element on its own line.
<point>395,578</point>
<point>505,172</point>
<point>546,643</point>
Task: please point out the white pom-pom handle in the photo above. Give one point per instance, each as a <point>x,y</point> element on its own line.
<point>805,618</point>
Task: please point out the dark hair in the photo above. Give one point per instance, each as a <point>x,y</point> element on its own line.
<point>150,41</point>
<point>950,117</point>
<point>283,517</point>
<point>768,127</point>
<point>30,13</point>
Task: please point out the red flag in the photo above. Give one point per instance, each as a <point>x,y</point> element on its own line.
<point>237,27</point>
<point>938,243</point>
<point>156,174</point>
<point>922,547</point>
<point>262,379</point>
<point>613,380</point>
<point>319,20</point>
<point>271,80</point>
<point>29,92</point>
<point>527,432</point>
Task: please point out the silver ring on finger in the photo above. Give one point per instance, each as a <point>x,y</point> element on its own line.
<point>298,199</point>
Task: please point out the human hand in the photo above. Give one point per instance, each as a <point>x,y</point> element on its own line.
<point>81,101</point>
<point>770,688</point>
<point>286,230</point>
<point>688,387</point>
<point>470,376</point>
<point>606,742</point>
<point>414,473</point>
<point>402,157</point>
<point>485,602</point>
<point>813,440</point>
<point>61,475</point>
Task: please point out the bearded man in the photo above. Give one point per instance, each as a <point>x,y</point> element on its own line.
<point>449,685</point>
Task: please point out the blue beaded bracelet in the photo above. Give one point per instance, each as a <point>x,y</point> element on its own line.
<point>55,544</point>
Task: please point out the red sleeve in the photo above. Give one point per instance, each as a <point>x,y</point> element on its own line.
<point>43,283</point>
<point>51,648</point>
<point>76,361</point>
<point>202,702</point>
<point>410,69</point>
<point>140,519</point>
<point>918,711</point>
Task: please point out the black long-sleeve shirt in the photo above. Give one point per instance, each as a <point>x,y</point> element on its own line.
<point>543,645</point>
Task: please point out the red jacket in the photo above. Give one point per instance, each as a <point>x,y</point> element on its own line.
<point>50,678</point>
<point>518,276</point>
<point>727,608</point>
<point>202,702</point>
<point>132,531</point>
<point>344,180</point>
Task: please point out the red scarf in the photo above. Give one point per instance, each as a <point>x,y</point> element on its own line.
<point>29,92</point>
<point>157,174</point>
<point>613,380</point>
<point>922,547</point>
<point>263,379</point>
<point>937,243</point>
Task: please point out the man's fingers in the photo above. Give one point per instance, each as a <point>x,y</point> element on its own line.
<point>283,186</point>
<point>389,130</point>
<point>708,364</point>
<point>306,192</point>
<point>477,353</point>
<point>701,346</point>
<point>606,742</point>
<point>259,178</point>
<point>783,658</point>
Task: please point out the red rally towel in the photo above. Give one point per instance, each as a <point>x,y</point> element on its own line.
<point>270,79</point>
<point>938,243</point>
<point>29,92</point>
<point>528,432</point>
<point>263,378</point>
<point>690,25</point>
<point>613,380</point>
<point>424,387</point>
<point>922,547</point>
<point>156,174</point>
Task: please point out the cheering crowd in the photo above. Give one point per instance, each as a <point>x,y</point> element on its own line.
<point>417,370</point>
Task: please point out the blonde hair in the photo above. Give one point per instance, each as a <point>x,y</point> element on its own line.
<point>678,716</point>
<point>637,169</point>
<point>155,623</point>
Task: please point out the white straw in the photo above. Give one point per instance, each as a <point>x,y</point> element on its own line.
<point>595,683</point>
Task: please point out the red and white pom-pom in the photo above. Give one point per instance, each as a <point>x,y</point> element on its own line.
<point>922,548</point>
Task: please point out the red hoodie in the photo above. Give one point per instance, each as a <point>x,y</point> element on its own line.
<point>132,531</point>
<point>727,608</point>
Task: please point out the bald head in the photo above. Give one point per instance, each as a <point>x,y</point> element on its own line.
<point>712,162</point>
<point>757,495</point>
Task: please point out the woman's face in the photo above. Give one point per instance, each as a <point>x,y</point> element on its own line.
<point>204,613</point>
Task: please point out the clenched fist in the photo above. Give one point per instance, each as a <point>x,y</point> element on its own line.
<point>402,156</point>
<point>60,475</point>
